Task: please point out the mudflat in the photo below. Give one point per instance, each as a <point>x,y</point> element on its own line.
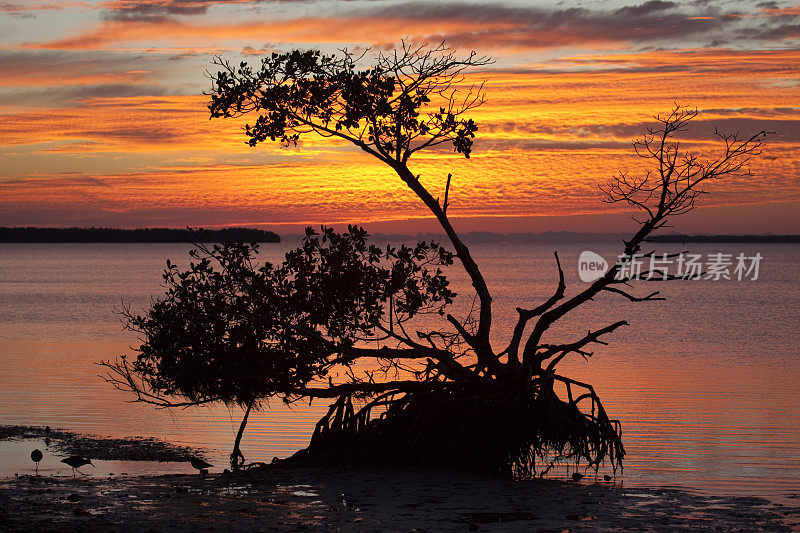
<point>283,498</point>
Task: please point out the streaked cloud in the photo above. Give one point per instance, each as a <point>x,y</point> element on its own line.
<point>464,24</point>
<point>153,9</point>
<point>103,118</point>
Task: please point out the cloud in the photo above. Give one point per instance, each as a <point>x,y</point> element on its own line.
<point>498,26</point>
<point>541,182</point>
<point>536,135</point>
<point>160,9</point>
<point>64,77</point>
<point>155,9</point>
<point>771,33</point>
<point>773,10</point>
<point>756,111</point>
<point>648,8</point>
<point>539,27</point>
<point>119,9</point>
<point>54,68</point>
<point>67,95</point>
<point>751,63</point>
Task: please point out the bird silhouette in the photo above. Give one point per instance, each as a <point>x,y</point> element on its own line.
<point>577,476</point>
<point>76,461</point>
<point>36,456</point>
<point>607,477</point>
<point>199,464</point>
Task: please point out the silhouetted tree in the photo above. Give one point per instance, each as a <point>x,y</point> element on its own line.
<point>229,330</point>
<point>336,318</point>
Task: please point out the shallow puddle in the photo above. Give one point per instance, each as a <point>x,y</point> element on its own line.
<point>15,460</point>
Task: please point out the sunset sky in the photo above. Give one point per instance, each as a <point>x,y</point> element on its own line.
<point>103,121</point>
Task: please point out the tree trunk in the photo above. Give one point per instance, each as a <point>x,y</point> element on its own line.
<point>237,459</point>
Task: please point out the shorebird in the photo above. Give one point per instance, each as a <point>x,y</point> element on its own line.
<point>577,476</point>
<point>36,456</point>
<point>199,464</point>
<point>76,461</point>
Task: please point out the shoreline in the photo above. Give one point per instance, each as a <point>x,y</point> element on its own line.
<point>66,442</point>
<point>279,498</point>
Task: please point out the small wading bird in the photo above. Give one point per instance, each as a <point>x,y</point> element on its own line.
<point>200,464</point>
<point>36,456</point>
<point>76,461</point>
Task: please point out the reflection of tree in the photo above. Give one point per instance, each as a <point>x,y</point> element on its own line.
<point>337,319</point>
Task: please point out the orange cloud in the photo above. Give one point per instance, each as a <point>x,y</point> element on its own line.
<point>782,11</point>
<point>319,30</point>
<point>547,136</point>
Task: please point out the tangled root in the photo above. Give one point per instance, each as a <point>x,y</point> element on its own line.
<point>518,433</point>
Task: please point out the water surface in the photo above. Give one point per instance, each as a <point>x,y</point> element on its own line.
<point>706,383</point>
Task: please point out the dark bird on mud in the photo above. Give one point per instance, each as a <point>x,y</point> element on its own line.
<point>607,477</point>
<point>36,456</point>
<point>577,476</point>
<point>200,464</point>
<point>76,461</point>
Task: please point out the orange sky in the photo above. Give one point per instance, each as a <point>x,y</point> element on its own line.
<point>103,121</point>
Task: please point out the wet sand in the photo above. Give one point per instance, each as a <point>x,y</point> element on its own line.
<point>290,498</point>
<point>65,442</point>
<point>279,498</point>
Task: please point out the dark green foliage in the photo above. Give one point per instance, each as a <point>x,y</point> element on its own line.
<point>342,286</point>
<point>386,108</point>
<point>231,330</point>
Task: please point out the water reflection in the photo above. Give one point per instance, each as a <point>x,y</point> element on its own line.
<point>704,383</point>
<point>15,460</point>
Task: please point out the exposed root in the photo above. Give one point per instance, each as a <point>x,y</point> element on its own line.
<point>510,433</point>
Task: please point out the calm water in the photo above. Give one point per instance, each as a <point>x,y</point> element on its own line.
<point>706,383</point>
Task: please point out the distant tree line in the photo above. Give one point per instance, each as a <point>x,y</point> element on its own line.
<point>737,239</point>
<point>51,235</point>
<point>488,237</point>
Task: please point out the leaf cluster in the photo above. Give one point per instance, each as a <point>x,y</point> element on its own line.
<point>404,103</point>
<point>230,329</point>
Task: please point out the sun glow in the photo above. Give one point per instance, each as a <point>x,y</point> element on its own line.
<point>93,123</point>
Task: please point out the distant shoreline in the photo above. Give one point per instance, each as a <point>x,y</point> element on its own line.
<point>563,237</point>
<point>171,235</point>
<point>721,239</point>
<point>141,235</point>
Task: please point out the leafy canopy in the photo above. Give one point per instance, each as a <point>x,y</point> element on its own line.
<point>383,109</point>
<point>231,330</point>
